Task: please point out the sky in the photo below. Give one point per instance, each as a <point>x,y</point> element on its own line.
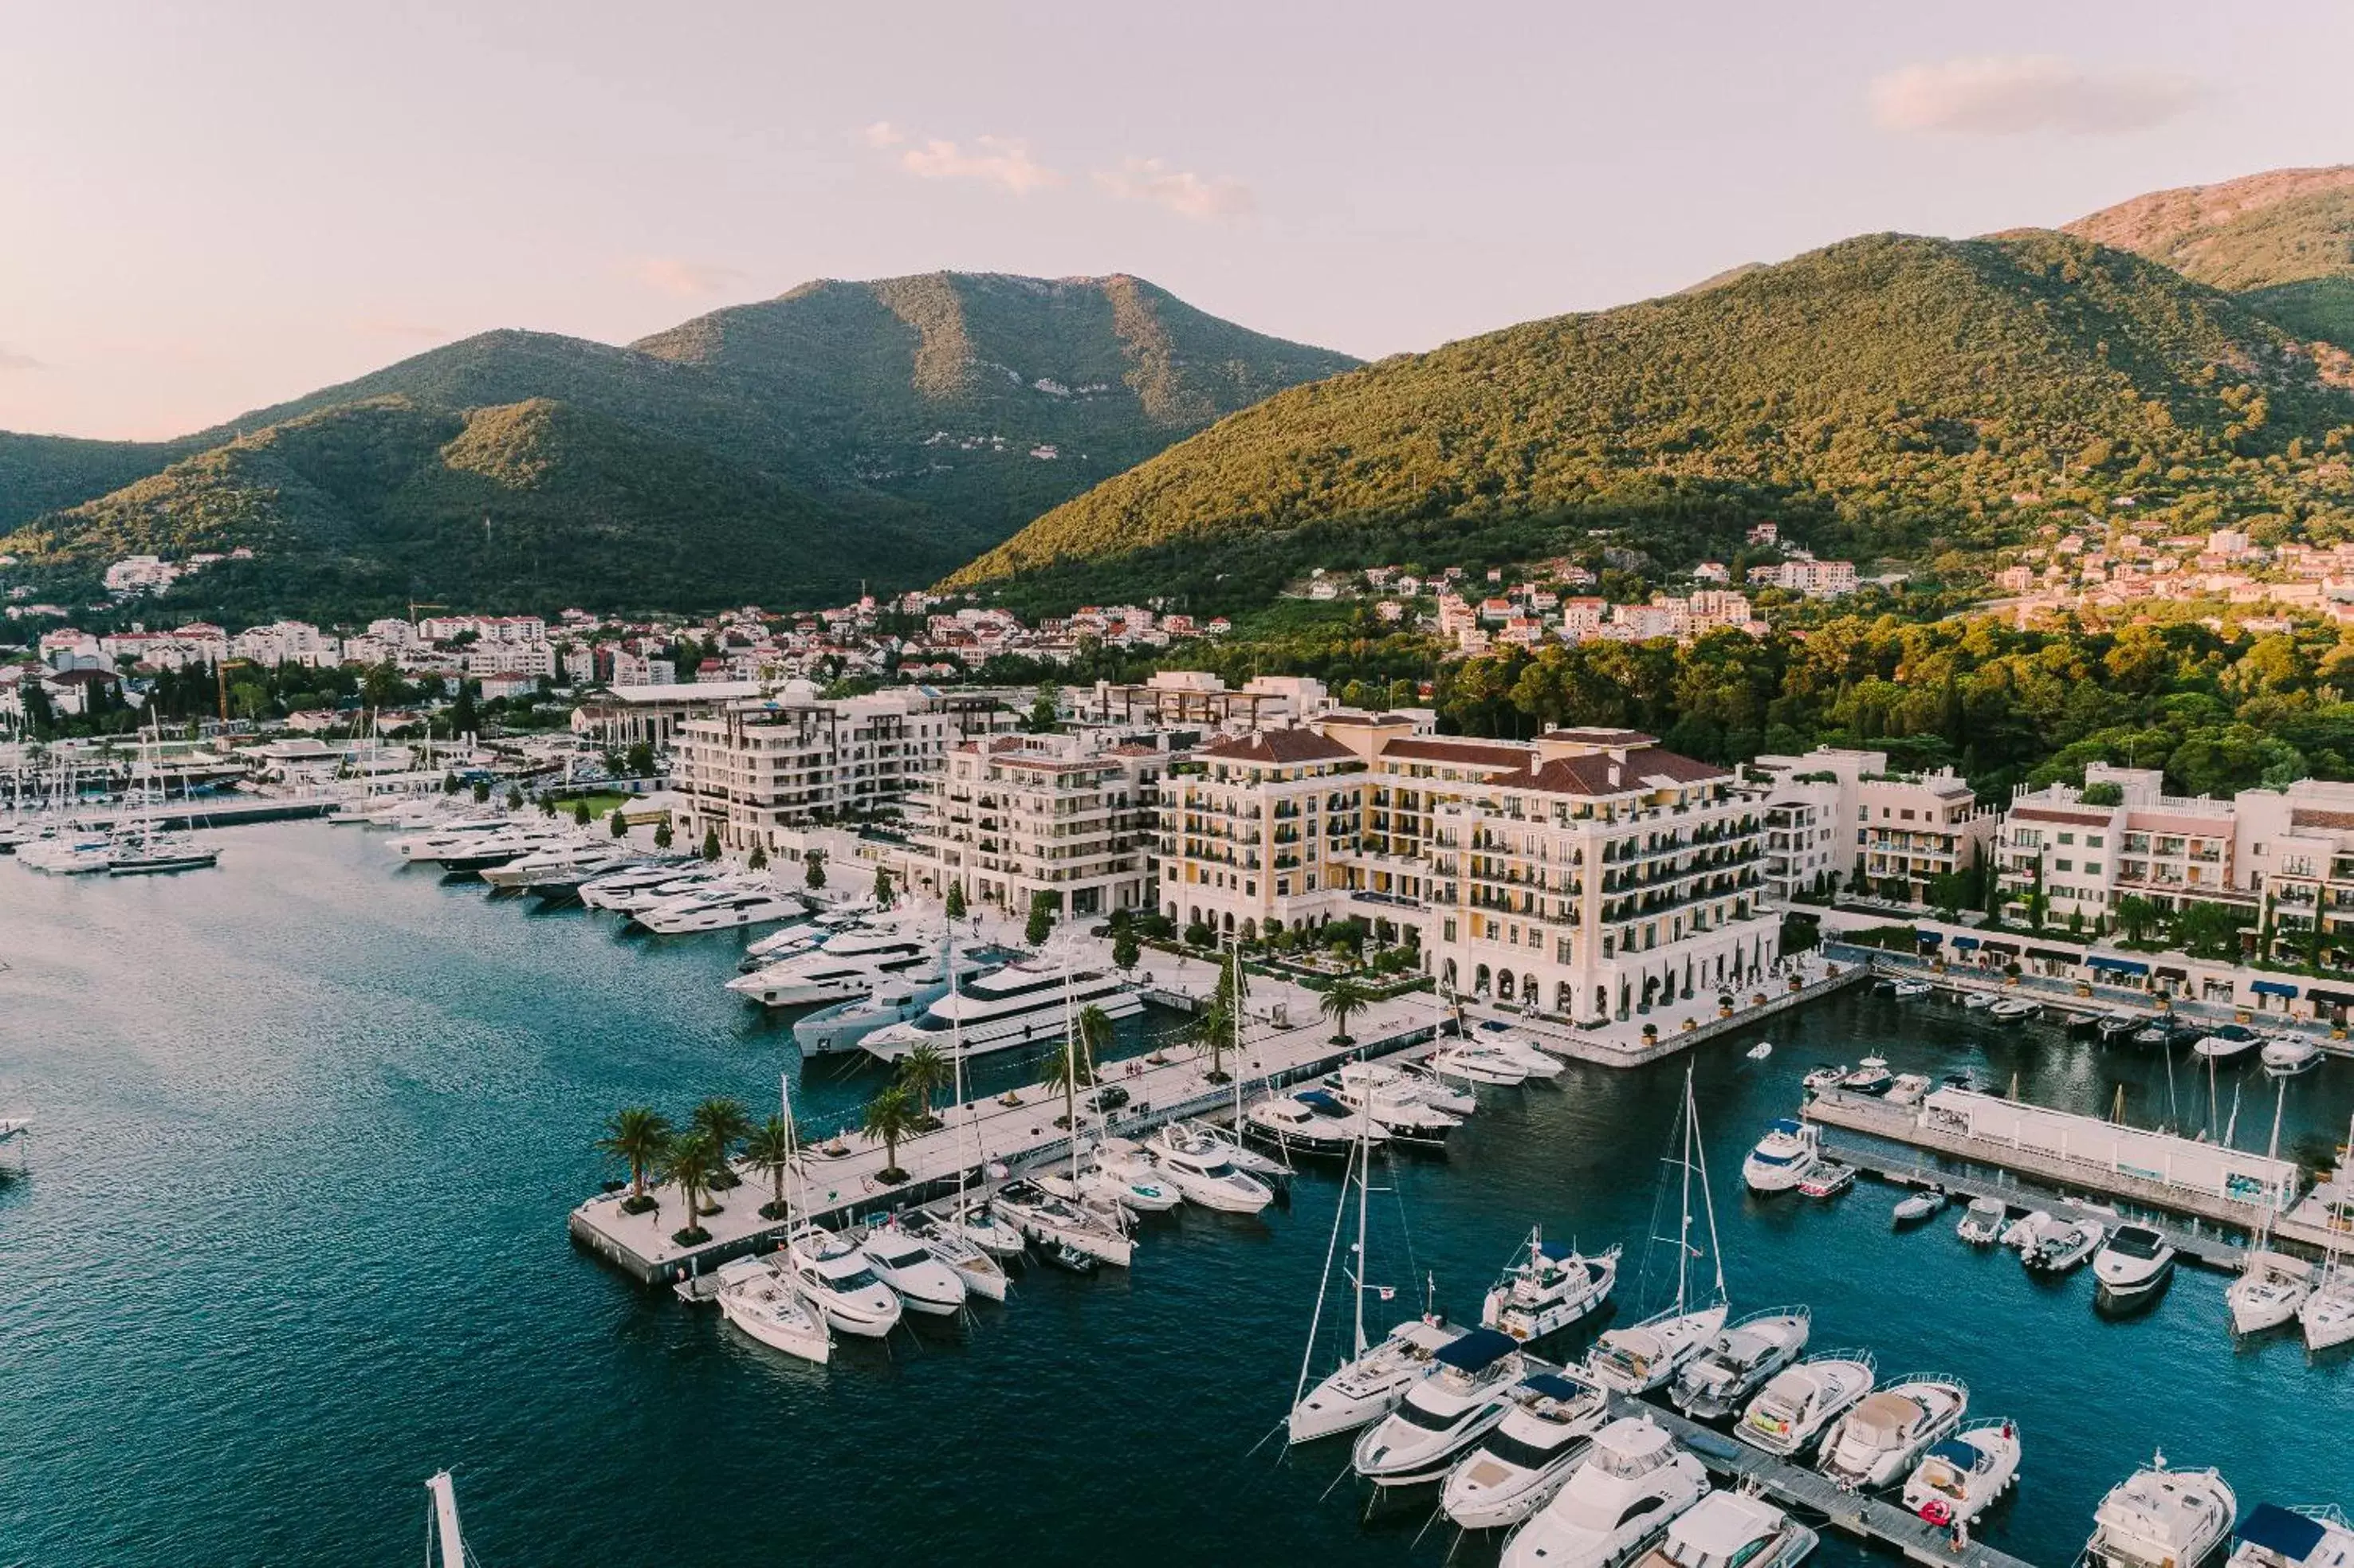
<point>206,209</point>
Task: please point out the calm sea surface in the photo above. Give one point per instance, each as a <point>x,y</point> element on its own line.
<point>292,1237</point>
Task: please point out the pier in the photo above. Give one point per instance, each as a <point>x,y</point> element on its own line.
<point>1621,1044</point>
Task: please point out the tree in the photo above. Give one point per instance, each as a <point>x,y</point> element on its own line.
<point>882,895</point>
<point>1343,1001</point>
<point>481,792</point>
<point>925,1070</point>
<point>1125,950</point>
<point>547,805</point>
<point>1070,1071</point>
<point>889,1116</point>
<point>1045,709</point>
<point>2136,915</point>
<point>580,814</point>
<point>689,1165</point>
<point>1199,934</point>
<point>724,1122</point>
<point>639,1135</point>
<point>759,859</point>
<point>1042,918</point>
<point>1095,1036</point>
<point>514,798</point>
<point>620,825</point>
<point>955,901</point>
<point>663,837</point>
<point>771,1150</point>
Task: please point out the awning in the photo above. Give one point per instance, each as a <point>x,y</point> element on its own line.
<point>2005,949</point>
<point>2119,966</point>
<point>2329,997</point>
<point>1966,941</point>
<point>2292,1536</point>
<point>1929,939</point>
<point>2054,956</point>
<point>2271,988</point>
<point>2174,974</point>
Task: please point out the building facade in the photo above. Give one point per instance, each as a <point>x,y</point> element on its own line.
<point>1009,817</point>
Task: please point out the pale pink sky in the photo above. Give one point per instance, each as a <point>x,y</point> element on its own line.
<point>207,209</point>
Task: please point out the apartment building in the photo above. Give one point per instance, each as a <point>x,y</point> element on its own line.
<point>2085,848</point>
<point>1837,817</point>
<point>1009,817</point>
<point>1250,827</point>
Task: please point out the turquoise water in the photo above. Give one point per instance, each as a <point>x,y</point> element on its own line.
<point>292,1237</point>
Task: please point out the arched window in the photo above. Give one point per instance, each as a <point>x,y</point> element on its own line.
<point>1504,985</point>
<point>1479,980</point>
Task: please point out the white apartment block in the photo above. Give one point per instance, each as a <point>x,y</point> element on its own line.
<point>1014,816</point>
<point>286,643</point>
<point>1815,579</point>
<point>755,767</point>
<point>1837,818</point>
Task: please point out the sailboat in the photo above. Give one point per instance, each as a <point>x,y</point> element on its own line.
<point>142,851</point>
<point>766,1301</point>
<point>1637,1359</point>
<point>970,1242</point>
<point>2273,1287</point>
<point>2327,1315</point>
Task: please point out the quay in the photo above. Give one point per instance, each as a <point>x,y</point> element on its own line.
<point>1621,1044</point>
<point>1810,1493</point>
<point>198,812</point>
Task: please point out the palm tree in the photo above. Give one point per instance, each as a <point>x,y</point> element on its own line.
<point>724,1122</point>
<point>890,1116</point>
<point>639,1135</point>
<point>1343,1001</point>
<point>1212,1034</point>
<point>771,1148</point>
<point>922,1071</point>
<point>688,1166</point>
<point>1071,1070</point>
<point>1095,1037</point>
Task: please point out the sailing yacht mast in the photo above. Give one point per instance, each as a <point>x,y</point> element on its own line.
<point>444,1520</point>
<point>1707,1193</point>
<point>1684,1233</point>
<point>1364,1202</point>
<point>956,1059</point>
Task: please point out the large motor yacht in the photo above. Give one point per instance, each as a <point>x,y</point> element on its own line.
<point>723,907</point>
<point>846,966</point>
<point>1547,1287</point>
<point>2160,1515</point>
<point>1529,1455</point>
<point>2275,1537</point>
<point>553,863</point>
<point>1714,1383</point>
<point>921,1280</point>
<point>1634,1482</point>
<point>1020,1004</point>
<point>1725,1528</point>
<point>1444,1415</point>
<point>615,889</point>
<point>1783,1156</point>
<point>1798,1401</point>
<point>1878,1441</point>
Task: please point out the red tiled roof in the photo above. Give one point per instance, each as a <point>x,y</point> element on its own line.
<point>1462,753</point>
<point>2313,819</point>
<point>2052,814</point>
<point>1278,746</point>
<point>1648,768</point>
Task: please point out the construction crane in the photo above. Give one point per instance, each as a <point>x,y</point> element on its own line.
<point>220,675</point>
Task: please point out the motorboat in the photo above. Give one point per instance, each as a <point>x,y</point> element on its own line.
<point>1798,1401</point>
<point>1246,1159</point>
<point>1633,1483</point>
<point>1918,1207</point>
<point>2286,1055</point>
<point>1529,1455</point>
<point>954,1245</point>
<point>153,854</point>
<point>1051,1220</point>
<point>1018,1004</point>
<point>1436,1092</point>
<point>1070,1259</point>
<point>1472,1064</point>
<point>2327,1315</point>
<point>764,1304</point>
<point>1828,1178</point>
<point>550,863</point>
<point>720,908</point>
<point>2229,1040</point>
<point>2132,1267</point>
<point>2112,1027</point>
<point>1369,1386</point>
<point>1877,1441</point>
<point>1311,1122</point>
<point>1123,1174</point>
<point>2065,1246</point>
<point>849,966</point>
<point>833,1276</point>
<point>1963,1475</point>
<point>1983,1222</point>
<point>1759,1052</point>
<point>1909,1089</point>
<point>606,892</point>
<point>637,898</point>
<point>2021,1234</point>
<point>1980,1002</point>
<point>568,884</point>
<point>1823,1076</point>
<point>1203,1169</point>
<point>1713,1384</point>
<point>1728,1526</point>
<point>1444,1414</point>
<point>1637,1360</point>
<point>908,1266</point>
<point>2270,1292</point>
<point>1519,1047</point>
<point>2275,1537</point>
<point>1871,1076</point>
<point>1783,1156</point>
<point>976,1228</point>
<point>2159,1515</point>
<point>1908,989</point>
<point>1547,1287</point>
<point>2014,1009</point>
<point>2154,1036</point>
<point>1383,1094</point>
<point>895,1000</point>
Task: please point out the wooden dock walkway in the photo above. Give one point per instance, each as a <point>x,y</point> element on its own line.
<point>1813,1496</point>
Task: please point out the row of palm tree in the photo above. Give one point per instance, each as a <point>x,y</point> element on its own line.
<point>699,1159</point>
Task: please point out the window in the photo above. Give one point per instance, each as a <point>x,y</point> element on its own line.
<point>2092,868</point>
<point>2092,841</point>
<point>2067,838</point>
<point>2062,866</point>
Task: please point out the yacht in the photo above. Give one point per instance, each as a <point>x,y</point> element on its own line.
<point>1021,1004</point>
<point>1050,1221</point>
<point>1632,1483</point>
<point>1547,1287</point>
<point>2014,1009</point>
<point>1470,1063</point>
<point>427,846</point>
<point>552,862</point>
<point>1311,1122</point>
<point>2275,1537</point>
<point>2132,1267</point>
<point>1546,1431</point>
<point>1370,1385</point>
<point>2327,1315</point>
<point>1982,1222</point>
<point>1908,989</point>
<point>1714,1383</point>
<point>494,850</point>
<point>1444,1414</point>
<point>2232,1040</point>
<point>1783,1156</point>
<point>623,889</point>
<point>1725,1528</point>
<point>894,998</point>
<point>834,1277</point>
<point>956,1246</point>
<point>1961,1477</point>
<point>1519,1047</point>
<point>2161,1516</point>
<point>1878,1441</point>
<point>1125,1175</point>
<point>1798,1401</point>
<point>764,1304</point>
<point>1385,1095</point>
<point>150,854</point>
<point>1648,1355</point>
<point>1248,1161</point>
<point>2290,1055</point>
<point>847,967</point>
<point>1203,1169</point>
<point>1871,1076</point>
<point>2065,1246</point>
<point>568,884</point>
<point>1436,1092</point>
<point>720,907</point>
<point>2023,1234</point>
<point>68,853</point>
<point>2269,1291</point>
<point>907,1264</point>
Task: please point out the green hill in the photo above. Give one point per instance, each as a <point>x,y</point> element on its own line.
<point>1888,395</point>
<point>41,474</point>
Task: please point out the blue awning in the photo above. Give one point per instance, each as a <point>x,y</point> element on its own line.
<point>1479,1348</point>
<point>1966,941</point>
<point>2272,988</point>
<point>1556,1251</point>
<point>1321,1100</point>
<point>2121,966</point>
<point>2276,1529</point>
<point>1555,1386</point>
<point>1930,938</point>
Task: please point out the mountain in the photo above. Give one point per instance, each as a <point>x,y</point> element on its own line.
<point>883,430</point>
<point>41,474</point>
<point>2284,240</point>
<point>1889,394</point>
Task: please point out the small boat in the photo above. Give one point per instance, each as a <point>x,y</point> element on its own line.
<point>2021,1234</point>
<point>1529,1455</point>
<point>2132,1269</point>
<point>2232,1040</point>
<point>2112,1027</point>
<point>1383,1093</point>
<point>1728,1526</point>
<point>764,1304</point>
<point>1369,1387</point>
<point>2065,1246</point>
<point>1759,1052</point>
<point>1822,1077</point>
<point>1925,1204</point>
<point>2289,1055</point>
<point>2274,1537</point>
<point>1070,1260</point>
<point>1743,1357</point>
<point>1983,1222</point>
<point>1908,989</point>
<point>1634,1481</point>
<point>2270,1292</point>
<point>1202,1170</point>
<point>1870,1076</point>
<point>1444,1414</point>
<point>2014,1009</point>
<point>1963,1475</point>
<point>1828,1179</point>
<point>1909,1089</point>
<point>2154,1036</point>
<point>914,1275</point>
<point>2158,1515</point>
<point>1878,1440</point>
<point>1547,1287</point>
<point>1798,1401</point>
<point>1979,1001</point>
<point>1783,1156</point>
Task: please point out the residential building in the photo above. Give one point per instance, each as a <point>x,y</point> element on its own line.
<point>1014,816</point>
<point>1838,818</point>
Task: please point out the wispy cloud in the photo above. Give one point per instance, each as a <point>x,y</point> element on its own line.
<point>2012,95</point>
<point>12,360</point>
<point>681,277</point>
<point>1181,191</point>
<point>999,161</point>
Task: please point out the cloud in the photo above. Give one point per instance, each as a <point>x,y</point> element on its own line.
<point>881,133</point>
<point>1992,95</point>
<point>992,160</point>
<point>680,278</point>
<point>1187,194</point>
<point>12,360</point>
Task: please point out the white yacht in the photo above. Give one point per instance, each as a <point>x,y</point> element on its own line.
<point>611,890</point>
<point>1529,1455</point>
<point>1716,1382</point>
<point>1962,1476</point>
<point>833,1276</point>
<point>1547,1287</point>
<point>1519,1047</point>
<point>1473,1063</point>
<point>1444,1414</point>
<point>492,850</point>
<point>1648,1355</point>
<point>2271,1290</point>
<point>569,883</point>
<point>1436,1092</point>
<point>2290,1055</point>
<point>848,966</point>
<point>1311,1122</point>
<point>2132,1267</point>
<point>721,907</point>
<point>1390,1099</point>
<point>1017,1005</point>
<point>764,1304</point>
<point>150,854</point>
<point>68,853</point>
<point>427,845</point>
<point>1982,1222</point>
<point>2327,1315</point>
<point>2275,1537</point>
<point>2014,1009</point>
<point>1871,1076</point>
<point>1246,1159</point>
<point>956,1246</point>
<point>636,901</point>
<point>2160,1515</point>
<point>2232,1040</point>
<point>2064,1245</point>
<point>907,1264</point>
<point>1203,1169</point>
<point>1783,1156</point>
<point>1725,1528</point>
<point>1633,1483</point>
<point>1798,1401</point>
<point>2021,1234</point>
<point>895,998</point>
<point>551,863</point>
<point>1369,1385</point>
<point>1877,1441</point>
<point>1050,1221</point>
<point>1123,1174</point>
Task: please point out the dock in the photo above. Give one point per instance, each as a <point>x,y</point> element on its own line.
<point>1813,1495</point>
<point>1621,1044</point>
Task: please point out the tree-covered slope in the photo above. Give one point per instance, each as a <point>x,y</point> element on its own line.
<point>42,474</point>
<point>1902,393</point>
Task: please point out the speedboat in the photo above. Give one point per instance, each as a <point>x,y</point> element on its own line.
<point>1908,989</point>
<point>1925,1204</point>
<point>2112,1027</point>
<point>1826,1076</point>
<point>720,908</point>
<point>952,1245</point>
<point>1203,1169</point>
<point>1827,1178</point>
<point>1051,1220</point>
<point>1878,1441</point>
<point>2327,1315</point>
<point>1961,1477</point>
<point>2065,1246</point>
<point>2014,1009</point>
<point>1648,1355</point>
<point>2275,1537</point>
<point>1311,1122</point>
<point>1019,1005</point>
<point>2161,1516</point>
<point>1633,1483</point>
<point>2227,1042</point>
<point>907,1264</point>
<point>2023,1234</point>
<point>2289,1055</point>
<point>1370,1386</point>
<point>1870,1076</point>
<point>1979,1001</point>
<point>834,1277</point>
<point>764,1304</point>
<point>1982,1222</point>
<point>1546,1287</point>
<point>1444,1414</point>
<point>1725,1528</point>
<point>1473,1063</point>
<point>1125,1175</point>
<point>1713,1384</point>
<point>1798,1401</point>
<point>2132,1267</point>
<point>1783,1156</point>
<point>1529,1455</point>
<point>1383,1094</point>
<point>2269,1291</point>
<point>1909,1089</point>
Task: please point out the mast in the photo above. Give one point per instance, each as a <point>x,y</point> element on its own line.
<point>792,1151</point>
<point>1332,1249</point>
<point>443,1519</point>
<point>1071,1065</point>
<point>1683,1236</point>
<point>1707,1194</point>
<point>1364,1202</point>
<point>956,1055</point>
